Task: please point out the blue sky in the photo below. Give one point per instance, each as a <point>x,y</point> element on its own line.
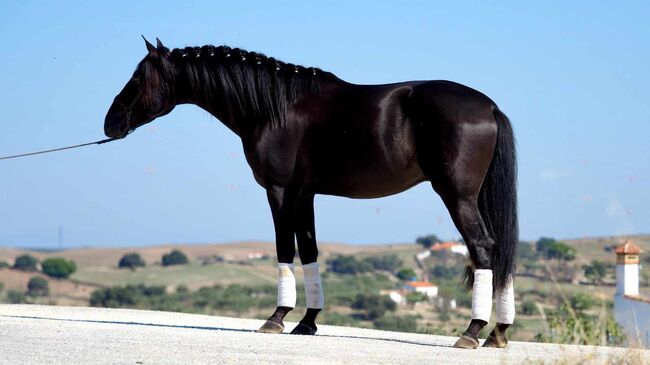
<point>572,76</point>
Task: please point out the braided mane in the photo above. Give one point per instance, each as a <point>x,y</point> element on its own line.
<point>246,84</point>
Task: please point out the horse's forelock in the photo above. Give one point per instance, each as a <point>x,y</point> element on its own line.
<point>158,74</point>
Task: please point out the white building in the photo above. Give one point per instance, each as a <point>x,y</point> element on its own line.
<point>421,287</point>
<point>394,294</point>
<point>631,310</point>
<point>422,255</point>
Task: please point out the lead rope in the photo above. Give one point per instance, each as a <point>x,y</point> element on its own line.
<point>60,148</point>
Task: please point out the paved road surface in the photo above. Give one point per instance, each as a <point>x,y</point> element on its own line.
<point>73,335</point>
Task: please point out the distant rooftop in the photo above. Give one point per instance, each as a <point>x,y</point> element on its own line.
<point>628,247</point>
<point>419,284</point>
<point>445,245</point>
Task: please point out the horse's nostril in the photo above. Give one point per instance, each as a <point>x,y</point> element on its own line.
<point>109,132</point>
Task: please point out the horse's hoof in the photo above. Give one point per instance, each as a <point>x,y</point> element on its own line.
<point>304,329</point>
<point>466,342</point>
<point>271,327</point>
<point>495,341</point>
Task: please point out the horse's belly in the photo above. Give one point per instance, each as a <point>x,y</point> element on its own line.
<point>371,183</point>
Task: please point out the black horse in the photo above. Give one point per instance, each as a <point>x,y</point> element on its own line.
<point>305,131</point>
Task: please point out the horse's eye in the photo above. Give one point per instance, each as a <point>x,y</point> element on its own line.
<point>136,79</point>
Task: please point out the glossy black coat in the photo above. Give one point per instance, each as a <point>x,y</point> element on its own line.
<point>360,141</point>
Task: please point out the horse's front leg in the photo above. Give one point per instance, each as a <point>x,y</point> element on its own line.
<point>306,235</point>
<point>283,206</point>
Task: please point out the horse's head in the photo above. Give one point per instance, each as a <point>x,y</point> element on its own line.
<point>148,95</point>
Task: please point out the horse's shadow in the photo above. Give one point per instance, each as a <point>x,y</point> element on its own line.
<point>216,328</point>
<point>130,323</point>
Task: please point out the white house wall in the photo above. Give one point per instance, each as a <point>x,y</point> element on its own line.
<point>634,317</point>
<point>627,279</point>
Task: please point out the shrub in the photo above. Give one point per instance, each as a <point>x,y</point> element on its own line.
<point>596,271</point>
<point>338,319</point>
<point>26,263</point>
<point>583,302</point>
<point>406,273</point>
<point>175,257</point>
<point>16,297</point>
<point>543,244</point>
<point>4,265</point>
<point>343,289</point>
<point>38,287</point>
<point>131,261</point>
<point>374,305</point>
<point>447,272</point>
<point>232,298</point>
<point>343,264</point>
<point>552,249</point>
<point>115,297</point>
<point>562,252</point>
<point>2,286</point>
<point>575,326</point>
<point>415,297</point>
<point>427,241</point>
<point>397,323</point>
<point>528,307</point>
<point>385,262</point>
<point>58,267</point>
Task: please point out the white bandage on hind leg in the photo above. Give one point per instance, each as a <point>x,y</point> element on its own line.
<point>313,287</point>
<point>505,303</point>
<point>482,295</point>
<point>286,286</point>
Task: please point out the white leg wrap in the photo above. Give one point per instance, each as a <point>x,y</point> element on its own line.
<point>313,287</point>
<point>286,286</point>
<point>505,302</point>
<point>482,295</point>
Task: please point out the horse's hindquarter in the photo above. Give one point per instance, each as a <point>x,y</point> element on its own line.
<point>360,143</point>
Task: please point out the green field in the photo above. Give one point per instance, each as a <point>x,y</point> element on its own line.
<point>192,275</point>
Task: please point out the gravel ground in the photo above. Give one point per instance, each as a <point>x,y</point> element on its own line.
<point>75,335</point>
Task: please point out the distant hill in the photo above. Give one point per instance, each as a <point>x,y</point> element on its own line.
<point>595,248</point>
<point>109,256</point>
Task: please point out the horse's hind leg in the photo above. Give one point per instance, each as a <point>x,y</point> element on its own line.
<point>308,251</point>
<point>456,163</point>
<point>464,211</point>
<point>505,308</point>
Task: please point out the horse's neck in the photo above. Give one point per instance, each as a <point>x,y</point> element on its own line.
<point>187,96</point>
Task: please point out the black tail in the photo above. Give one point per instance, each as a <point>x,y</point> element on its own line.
<point>498,204</point>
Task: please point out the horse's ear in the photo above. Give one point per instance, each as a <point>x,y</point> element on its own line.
<point>152,50</point>
<point>161,48</point>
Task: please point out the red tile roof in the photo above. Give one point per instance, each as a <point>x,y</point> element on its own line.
<point>628,247</point>
<point>419,284</point>
<point>445,246</point>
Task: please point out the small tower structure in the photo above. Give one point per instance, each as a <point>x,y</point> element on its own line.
<point>627,269</point>
<point>631,310</point>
